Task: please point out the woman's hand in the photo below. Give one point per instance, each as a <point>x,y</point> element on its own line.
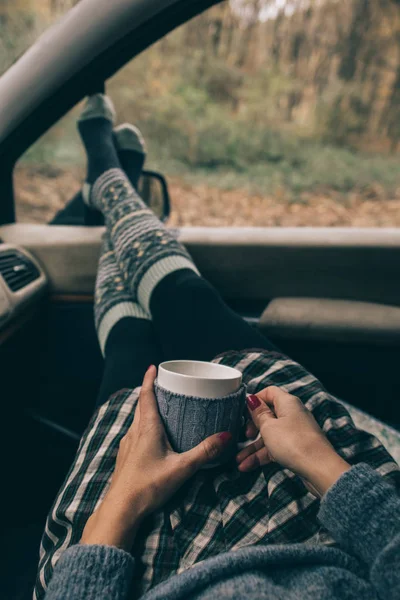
<point>147,473</point>
<point>290,436</point>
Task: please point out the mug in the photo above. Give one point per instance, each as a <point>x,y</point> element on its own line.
<point>197,399</point>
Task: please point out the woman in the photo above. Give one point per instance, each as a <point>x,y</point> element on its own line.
<point>134,518</point>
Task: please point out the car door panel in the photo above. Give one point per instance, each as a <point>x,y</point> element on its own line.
<point>332,320</point>
<point>247,265</point>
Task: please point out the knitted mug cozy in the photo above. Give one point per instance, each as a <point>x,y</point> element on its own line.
<point>188,420</point>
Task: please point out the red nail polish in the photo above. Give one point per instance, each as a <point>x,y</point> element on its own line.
<point>253,402</point>
<point>225,436</point>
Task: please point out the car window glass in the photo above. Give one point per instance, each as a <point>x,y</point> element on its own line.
<point>260,113</point>
<point>50,173</point>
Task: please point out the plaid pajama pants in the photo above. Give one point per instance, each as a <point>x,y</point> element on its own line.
<point>216,510</point>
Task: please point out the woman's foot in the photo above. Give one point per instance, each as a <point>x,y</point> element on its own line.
<point>131,150</point>
<point>95,126</point>
<point>109,148</point>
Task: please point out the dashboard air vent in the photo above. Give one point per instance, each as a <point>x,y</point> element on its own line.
<point>17,270</point>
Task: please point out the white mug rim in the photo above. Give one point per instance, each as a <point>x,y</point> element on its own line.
<point>234,372</point>
<point>212,381</point>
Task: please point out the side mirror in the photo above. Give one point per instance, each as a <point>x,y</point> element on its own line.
<point>153,188</point>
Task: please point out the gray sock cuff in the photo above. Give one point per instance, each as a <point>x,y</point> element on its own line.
<point>115,314</point>
<point>157,272</point>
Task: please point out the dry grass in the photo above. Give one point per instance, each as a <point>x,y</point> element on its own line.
<point>40,194</point>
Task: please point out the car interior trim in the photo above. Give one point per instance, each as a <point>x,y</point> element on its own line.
<point>13,302</point>
<point>16,324</point>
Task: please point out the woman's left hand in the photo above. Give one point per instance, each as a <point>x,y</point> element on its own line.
<point>147,473</point>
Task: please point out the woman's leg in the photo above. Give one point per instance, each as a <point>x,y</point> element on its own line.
<point>131,348</point>
<point>126,334</point>
<point>190,318</point>
<point>194,322</point>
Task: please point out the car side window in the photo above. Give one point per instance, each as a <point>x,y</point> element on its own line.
<point>260,114</point>
<point>50,173</point>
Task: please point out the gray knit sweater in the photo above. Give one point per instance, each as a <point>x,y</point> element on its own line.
<point>361,511</point>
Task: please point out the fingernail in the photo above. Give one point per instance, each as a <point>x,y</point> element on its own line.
<point>149,368</point>
<point>252,401</point>
<point>225,437</point>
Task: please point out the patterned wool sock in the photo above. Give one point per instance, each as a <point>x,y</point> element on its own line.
<point>146,251</point>
<point>95,126</point>
<point>112,301</point>
<point>131,149</point>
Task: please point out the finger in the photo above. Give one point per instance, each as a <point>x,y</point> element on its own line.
<point>207,451</point>
<point>254,461</point>
<point>251,449</point>
<point>259,411</point>
<point>147,401</point>
<point>279,401</point>
<point>251,430</point>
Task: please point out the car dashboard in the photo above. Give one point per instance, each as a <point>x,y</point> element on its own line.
<point>22,283</point>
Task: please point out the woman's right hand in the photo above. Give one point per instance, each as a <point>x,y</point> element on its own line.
<point>290,436</point>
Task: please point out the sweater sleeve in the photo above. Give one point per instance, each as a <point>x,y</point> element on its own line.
<point>91,573</point>
<point>362,512</point>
